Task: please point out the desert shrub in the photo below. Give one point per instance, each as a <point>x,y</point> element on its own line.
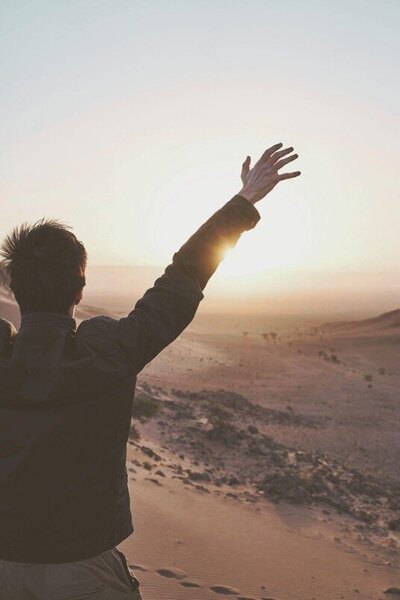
<point>381,370</point>
<point>234,401</point>
<point>196,476</point>
<point>225,432</point>
<point>286,486</point>
<point>218,412</point>
<point>144,407</point>
<point>394,524</point>
<point>368,378</point>
<point>252,429</point>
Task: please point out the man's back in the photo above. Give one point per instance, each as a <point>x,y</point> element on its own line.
<point>65,415</point>
<point>65,405</point>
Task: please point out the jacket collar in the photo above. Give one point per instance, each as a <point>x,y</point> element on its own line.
<point>48,318</point>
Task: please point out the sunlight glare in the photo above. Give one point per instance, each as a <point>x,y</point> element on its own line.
<point>282,243</point>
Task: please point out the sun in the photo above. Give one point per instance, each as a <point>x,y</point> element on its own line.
<point>279,245</point>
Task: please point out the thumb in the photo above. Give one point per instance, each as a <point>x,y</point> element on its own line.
<point>246,166</point>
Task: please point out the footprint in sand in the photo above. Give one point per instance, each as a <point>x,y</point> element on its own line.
<point>137,567</point>
<point>223,589</point>
<point>189,584</point>
<point>217,589</point>
<point>171,573</point>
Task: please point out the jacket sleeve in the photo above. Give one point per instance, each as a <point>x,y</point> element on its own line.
<point>168,307</point>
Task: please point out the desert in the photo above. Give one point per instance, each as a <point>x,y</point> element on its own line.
<point>282,452</point>
<point>262,458</point>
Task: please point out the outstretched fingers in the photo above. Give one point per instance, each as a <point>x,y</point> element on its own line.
<point>264,176</point>
<point>285,161</point>
<point>288,175</point>
<point>277,155</point>
<point>270,151</point>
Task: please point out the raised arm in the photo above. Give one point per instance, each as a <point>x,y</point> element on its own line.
<point>167,308</point>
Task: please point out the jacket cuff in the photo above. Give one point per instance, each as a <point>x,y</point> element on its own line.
<point>244,212</point>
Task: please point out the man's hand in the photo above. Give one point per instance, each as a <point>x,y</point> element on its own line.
<point>263,177</point>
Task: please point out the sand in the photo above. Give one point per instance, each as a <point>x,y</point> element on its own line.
<point>315,384</point>
<point>211,541</point>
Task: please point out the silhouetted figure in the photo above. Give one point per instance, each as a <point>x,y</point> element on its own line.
<point>66,398</point>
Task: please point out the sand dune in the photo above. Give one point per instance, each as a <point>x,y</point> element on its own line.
<point>9,309</point>
<point>382,323</point>
<point>315,427</point>
<point>192,544</point>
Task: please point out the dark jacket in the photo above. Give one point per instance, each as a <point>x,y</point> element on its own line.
<point>66,400</point>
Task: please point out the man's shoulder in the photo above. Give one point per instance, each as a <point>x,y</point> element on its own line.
<point>98,325</point>
<point>97,335</point>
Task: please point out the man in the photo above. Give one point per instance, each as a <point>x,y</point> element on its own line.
<point>66,397</point>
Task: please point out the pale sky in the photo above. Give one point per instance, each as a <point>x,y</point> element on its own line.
<point>129,120</point>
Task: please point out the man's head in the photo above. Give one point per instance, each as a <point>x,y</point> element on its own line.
<point>46,266</point>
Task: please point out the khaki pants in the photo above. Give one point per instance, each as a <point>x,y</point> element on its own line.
<point>103,577</point>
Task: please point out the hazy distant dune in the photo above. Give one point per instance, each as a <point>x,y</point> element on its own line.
<point>386,321</point>
<point>9,309</point>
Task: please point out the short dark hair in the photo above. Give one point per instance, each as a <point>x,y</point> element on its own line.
<point>45,265</point>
